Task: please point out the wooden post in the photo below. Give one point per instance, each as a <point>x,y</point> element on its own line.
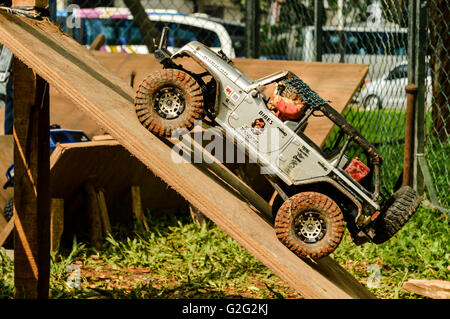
<point>146,28</point>
<point>197,217</point>
<point>101,201</point>
<point>97,43</point>
<point>137,206</point>
<point>56,222</point>
<point>408,161</point>
<point>31,183</point>
<point>95,220</point>
<point>6,231</point>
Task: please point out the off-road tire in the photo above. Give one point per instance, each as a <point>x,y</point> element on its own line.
<point>146,104</point>
<point>302,204</point>
<point>400,207</point>
<point>8,212</point>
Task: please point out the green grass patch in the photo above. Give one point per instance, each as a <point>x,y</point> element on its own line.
<point>178,259</point>
<point>419,250</point>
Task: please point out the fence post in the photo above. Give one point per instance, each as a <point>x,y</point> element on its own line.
<point>411,41</point>
<point>318,22</point>
<point>252,14</point>
<point>145,26</point>
<point>419,79</point>
<point>411,91</point>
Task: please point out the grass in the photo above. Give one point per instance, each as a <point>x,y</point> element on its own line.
<point>177,259</point>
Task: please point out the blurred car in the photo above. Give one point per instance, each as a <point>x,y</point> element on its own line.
<point>122,35</point>
<point>389,90</point>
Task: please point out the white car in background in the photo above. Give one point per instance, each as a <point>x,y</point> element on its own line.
<point>388,92</point>
<point>122,35</point>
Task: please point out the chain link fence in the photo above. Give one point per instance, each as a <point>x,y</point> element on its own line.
<point>437,144</point>
<point>372,32</point>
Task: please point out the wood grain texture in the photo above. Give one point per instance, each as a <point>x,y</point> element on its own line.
<point>436,289</point>
<point>6,158</point>
<point>31,184</point>
<point>6,231</point>
<point>136,205</point>
<point>103,209</point>
<point>56,222</point>
<point>108,100</point>
<point>95,220</point>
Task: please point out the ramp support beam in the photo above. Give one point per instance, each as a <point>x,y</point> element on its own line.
<point>31,181</point>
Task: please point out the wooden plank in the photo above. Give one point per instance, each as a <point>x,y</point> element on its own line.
<point>56,222</point>
<point>106,98</point>
<point>31,3</point>
<point>6,158</point>
<point>115,171</point>
<point>436,289</point>
<point>6,231</point>
<point>3,221</point>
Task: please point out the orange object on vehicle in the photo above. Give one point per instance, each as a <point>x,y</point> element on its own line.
<point>287,109</point>
<point>357,169</point>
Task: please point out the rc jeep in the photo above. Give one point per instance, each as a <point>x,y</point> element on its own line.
<point>322,189</point>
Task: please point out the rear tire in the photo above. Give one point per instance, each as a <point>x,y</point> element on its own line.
<point>401,206</point>
<point>310,224</point>
<point>167,100</point>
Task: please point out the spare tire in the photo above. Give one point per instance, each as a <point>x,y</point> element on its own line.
<point>8,212</point>
<point>399,209</point>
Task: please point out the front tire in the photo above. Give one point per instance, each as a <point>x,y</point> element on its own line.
<point>310,224</point>
<point>168,100</point>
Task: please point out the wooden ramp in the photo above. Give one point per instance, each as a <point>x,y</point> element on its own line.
<point>109,166</point>
<point>72,70</point>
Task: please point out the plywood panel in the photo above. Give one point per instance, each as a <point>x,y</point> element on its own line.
<point>109,101</point>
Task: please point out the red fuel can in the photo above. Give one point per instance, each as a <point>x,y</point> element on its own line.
<point>357,169</point>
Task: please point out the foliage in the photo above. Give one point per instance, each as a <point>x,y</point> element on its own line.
<point>177,259</point>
